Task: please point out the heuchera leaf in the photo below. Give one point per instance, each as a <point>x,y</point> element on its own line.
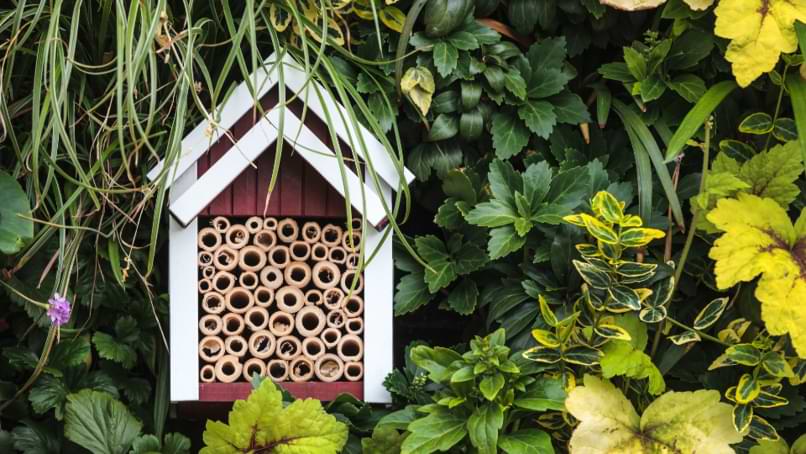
<point>759,30</point>
<point>261,422</point>
<point>688,421</point>
<point>627,358</point>
<point>760,239</point>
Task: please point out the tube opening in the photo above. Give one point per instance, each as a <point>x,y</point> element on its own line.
<point>228,368</point>
<point>288,348</point>
<point>208,373</point>
<point>277,369</point>
<point>310,321</point>
<point>210,240</point>
<point>350,348</point>
<point>319,251</point>
<point>239,300</point>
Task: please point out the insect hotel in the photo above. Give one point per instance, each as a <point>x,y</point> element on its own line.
<point>275,285</point>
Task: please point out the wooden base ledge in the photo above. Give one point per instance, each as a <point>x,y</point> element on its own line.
<point>229,392</point>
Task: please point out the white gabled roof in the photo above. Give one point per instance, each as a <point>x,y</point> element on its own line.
<point>362,142</point>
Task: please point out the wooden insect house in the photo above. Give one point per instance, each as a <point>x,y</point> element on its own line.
<point>277,285</point>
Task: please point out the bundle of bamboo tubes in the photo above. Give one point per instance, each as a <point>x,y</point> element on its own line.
<point>281,300</point>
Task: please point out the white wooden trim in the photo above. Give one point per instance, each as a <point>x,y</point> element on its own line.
<point>378,314</point>
<point>253,144</point>
<point>319,100</point>
<point>184,300</point>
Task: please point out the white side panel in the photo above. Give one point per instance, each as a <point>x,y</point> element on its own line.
<point>252,144</point>
<point>183,300</point>
<point>378,314</point>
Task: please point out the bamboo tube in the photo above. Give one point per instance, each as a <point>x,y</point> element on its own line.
<point>262,344</point>
<point>207,373</point>
<point>281,324</point>
<point>328,368</point>
<point>265,239</point>
<point>253,366</point>
<point>271,277</point>
<point>279,256</point>
<point>289,299</point>
<point>287,230</point>
<point>251,258</point>
<point>205,258</point>
<point>300,251</point>
<point>277,370</point>
<point>288,347</point>
<point>336,319</point>
<point>220,224</point>
<point>233,324</point>
<point>297,274</point>
<point>313,347</point>
<point>228,369</point>
<point>239,300</point>
<point>223,282</point>
<point>352,261</point>
<point>213,303</point>
<point>209,239</point>
<point>253,225</point>
<point>356,223</point>
<point>236,236</point>
<point>208,272</point>
<point>337,254</point>
<point>311,232</point>
<point>210,324</point>
<point>225,258</point>
<point>310,321</point>
<point>301,369</point>
<point>354,325</point>
<point>236,346</point>
<point>314,297</point>
<point>326,275</point>
<point>319,252</point>
<point>351,241</point>
<point>330,337</point>
<point>353,306</point>
<point>350,348</point>
<point>264,296</point>
<point>205,286</point>
<point>332,298</point>
<point>270,223</point>
<point>347,279</point>
<point>331,235</point>
<point>353,371</point>
<point>256,318</point>
<point>211,348</point>
<point>248,280</point>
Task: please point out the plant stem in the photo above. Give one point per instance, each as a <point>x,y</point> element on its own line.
<point>699,333</point>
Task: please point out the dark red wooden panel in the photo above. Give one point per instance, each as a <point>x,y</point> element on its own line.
<point>228,392</point>
<point>221,205</point>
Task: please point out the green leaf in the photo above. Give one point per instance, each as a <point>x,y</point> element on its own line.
<point>689,49</point>
<point>504,241</point>
<point>757,123</point>
<point>546,82</point>
<point>536,183</point>
<point>522,15</point>
<point>568,188</point>
<point>543,395</point>
<point>412,293</point>
<point>772,174</point>
<point>463,297</point>
<point>97,422</point>
<point>616,71</point>
<point>463,40</point>
<point>539,117</point>
<point>697,116</point>
<point>797,93</point>
<point>570,108</point>
<point>785,130</point>
<point>745,354</point>
<point>444,127</point>
<point>418,85</point>
<point>471,125</point>
<point>114,350</point>
<point>438,431</point>
<point>492,214</point>
<point>690,421</point>
<point>582,355</point>
<point>514,83</point>
<point>689,86</point>
<point>174,443</point>
<point>483,426</point>
<point>652,88</point>
<point>710,313</point>
<point>16,226</point>
<point>445,58</point>
<point>385,440</point>
<point>636,63</point>
<point>261,423</point>
<point>595,277</point>
<point>748,389</point>
<point>491,385</point>
<point>510,135</point>
<point>434,252</point>
<point>526,441</point>
<point>627,358</point>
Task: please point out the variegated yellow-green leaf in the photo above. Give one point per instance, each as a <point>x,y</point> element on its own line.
<point>699,5</point>
<point>691,422</point>
<point>599,229</point>
<point>418,84</point>
<point>545,338</point>
<point>633,5</point>
<point>612,331</point>
<point>710,313</point>
<point>604,204</point>
<point>747,389</point>
<point>639,236</point>
<point>686,337</point>
<point>759,30</point>
<point>760,239</point>
<point>546,312</point>
<point>392,17</point>
<point>279,17</point>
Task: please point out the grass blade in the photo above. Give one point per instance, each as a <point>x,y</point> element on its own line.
<point>697,115</point>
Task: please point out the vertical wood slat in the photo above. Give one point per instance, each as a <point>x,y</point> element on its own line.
<point>201,166</point>
<point>222,205</point>
<point>293,185</point>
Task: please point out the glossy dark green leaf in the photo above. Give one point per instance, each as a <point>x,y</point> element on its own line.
<point>471,125</point>
<point>526,441</point>
<point>539,117</point>
<point>744,354</point>
<point>582,355</point>
<point>543,395</point>
<point>747,389</point>
<point>543,355</point>
<point>444,127</point>
<point>470,94</point>
<point>595,277</point>
<point>621,296</point>
<point>688,86</point>
<point>570,108</point>
<point>463,297</point>
<point>784,129</point>
<point>742,415</point>
<point>16,226</point>
<point>652,314</point>
<point>734,149</point>
<point>761,429</point>
<point>509,133</point>
<point>445,58</point>
<point>710,313</point>
<point>756,123</point>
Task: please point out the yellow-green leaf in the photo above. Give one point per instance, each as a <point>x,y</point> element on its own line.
<point>418,85</point>
<point>760,239</point>
<point>392,17</point>
<point>759,30</point>
<point>640,236</point>
<point>604,204</point>
<point>546,338</point>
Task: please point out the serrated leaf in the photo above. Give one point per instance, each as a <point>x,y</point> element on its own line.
<point>504,241</point>
<point>526,441</point>
<point>412,293</point>
<point>438,431</point>
<point>570,108</point>
<point>689,421</point>
<point>445,58</point>
<point>539,117</point>
<point>760,239</point>
<point>689,86</point>
<point>99,423</point>
<point>626,357</point>
<point>509,133</point>
<point>112,349</point>
<point>418,84</point>
<point>463,297</point>
<point>16,226</point>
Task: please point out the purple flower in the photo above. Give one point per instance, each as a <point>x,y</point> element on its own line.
<point>58,310</point>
